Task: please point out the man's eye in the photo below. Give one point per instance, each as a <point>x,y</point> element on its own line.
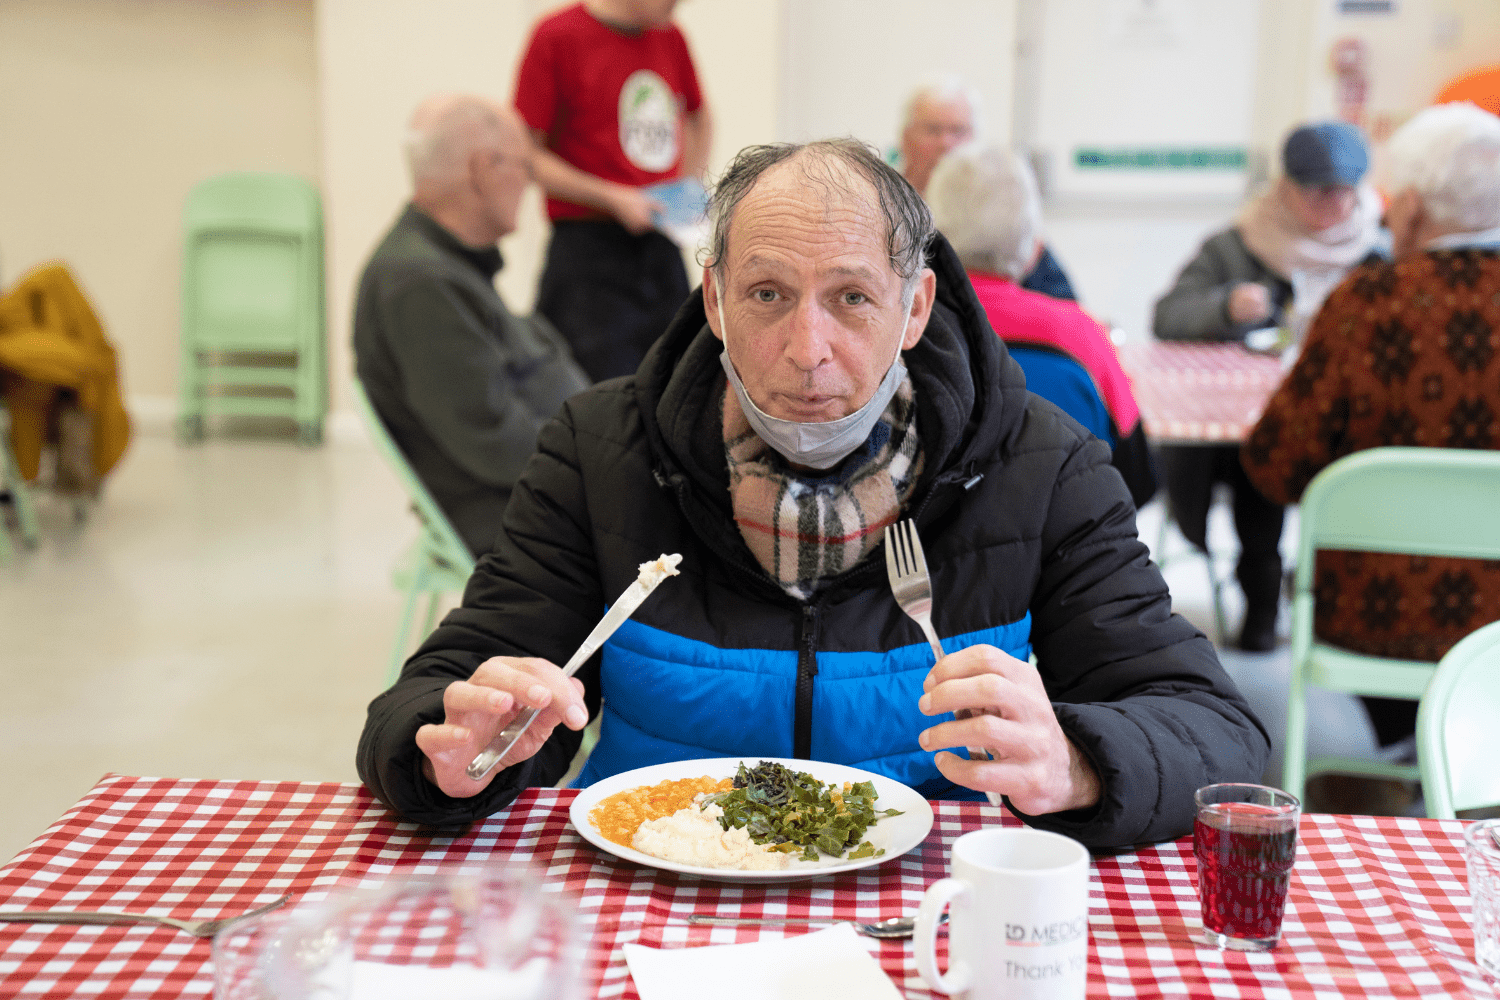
<point>764,295</point>
<point>854,298</point>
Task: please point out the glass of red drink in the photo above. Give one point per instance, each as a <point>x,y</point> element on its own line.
<point>1245,840</point>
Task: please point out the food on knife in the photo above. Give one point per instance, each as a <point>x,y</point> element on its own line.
<point>753,823</point>
<point>658,569</point>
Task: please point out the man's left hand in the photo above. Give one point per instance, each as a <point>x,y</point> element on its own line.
<point>1036,766</point>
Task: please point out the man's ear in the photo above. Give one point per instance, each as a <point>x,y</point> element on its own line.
<point>711,302</point>
<point>921,309</point>
<point>477,163</point>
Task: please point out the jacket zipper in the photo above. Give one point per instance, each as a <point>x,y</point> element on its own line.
<point>807,670</point>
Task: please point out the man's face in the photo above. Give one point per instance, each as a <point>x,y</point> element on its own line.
<point>501,178</point>
<point>813,307</point>
<point>1319,206</point>
<point>936,128</point>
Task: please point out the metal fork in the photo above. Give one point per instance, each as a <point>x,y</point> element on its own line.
<point>197,928</point>
<point>906,566</point>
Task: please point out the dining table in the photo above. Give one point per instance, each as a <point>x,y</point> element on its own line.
<point>1197,392</point>
<point>1377,907</point>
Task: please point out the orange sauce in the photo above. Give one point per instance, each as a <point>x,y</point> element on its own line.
<point>620,815</point>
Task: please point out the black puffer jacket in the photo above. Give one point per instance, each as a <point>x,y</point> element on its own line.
<point>1019,510</point>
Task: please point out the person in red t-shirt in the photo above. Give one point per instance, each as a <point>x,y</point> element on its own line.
<point>609,91</point>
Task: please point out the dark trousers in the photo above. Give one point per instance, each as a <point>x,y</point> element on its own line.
<point>609,293</point>
<point>1190,472</point>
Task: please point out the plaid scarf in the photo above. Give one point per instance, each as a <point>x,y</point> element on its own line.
<point>807,530</point>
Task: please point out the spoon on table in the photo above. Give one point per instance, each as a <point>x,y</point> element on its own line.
<point>890,928</point>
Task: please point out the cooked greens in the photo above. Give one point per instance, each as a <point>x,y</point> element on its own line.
<point>789,810</point>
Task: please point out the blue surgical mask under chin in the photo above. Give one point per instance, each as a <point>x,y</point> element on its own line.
<point>821,445</point>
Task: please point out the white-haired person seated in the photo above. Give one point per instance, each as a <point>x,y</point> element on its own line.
<point>463,384</point>
<point>941,114</point>
<point>985,201</point>
<point>1403,353</point>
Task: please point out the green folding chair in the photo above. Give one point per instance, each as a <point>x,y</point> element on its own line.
<point>1458,743</point>
<point>14,485</point>
<point>253,339</point>
<point>1416,501</point>
<point>438,562</point>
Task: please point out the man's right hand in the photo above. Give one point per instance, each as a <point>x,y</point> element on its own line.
<point>1249,303</point>
<point>634,210</point>
<point>476,710</point>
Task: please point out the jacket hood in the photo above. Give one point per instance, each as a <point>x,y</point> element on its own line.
<point>970,395</point>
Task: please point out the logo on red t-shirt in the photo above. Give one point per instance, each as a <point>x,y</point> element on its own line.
<point>648,121</point>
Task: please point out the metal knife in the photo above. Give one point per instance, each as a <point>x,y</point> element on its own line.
<point>622,609</point>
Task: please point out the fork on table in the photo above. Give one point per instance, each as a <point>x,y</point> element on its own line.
<point>906,567</point>
<point>197,928</point>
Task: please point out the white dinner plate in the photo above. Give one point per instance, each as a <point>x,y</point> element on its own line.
<point>896,834</point>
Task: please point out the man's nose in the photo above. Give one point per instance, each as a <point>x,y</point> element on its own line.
<point>807,340</point>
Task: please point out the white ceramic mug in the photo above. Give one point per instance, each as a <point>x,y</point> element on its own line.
<point>1018,921</point>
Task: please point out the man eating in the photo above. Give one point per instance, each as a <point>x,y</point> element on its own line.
<point>836,375</point>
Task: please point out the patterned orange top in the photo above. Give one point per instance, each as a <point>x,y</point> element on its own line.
<point>1403,353</point>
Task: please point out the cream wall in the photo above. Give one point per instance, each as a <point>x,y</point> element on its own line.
<point>850,64</point>
<point>113,109</point>
<point>378,58</point>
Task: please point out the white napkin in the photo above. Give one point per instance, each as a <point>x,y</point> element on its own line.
<point>826,963</point>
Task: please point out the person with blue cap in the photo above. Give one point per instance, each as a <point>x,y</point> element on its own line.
<point>1286,251</point>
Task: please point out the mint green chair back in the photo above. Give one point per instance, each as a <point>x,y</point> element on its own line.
<point>1458,727</point>
<point>253,339</point>
<point>1417,501</point>
<point>438,562</point>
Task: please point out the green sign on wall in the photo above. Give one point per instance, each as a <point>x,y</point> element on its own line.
<point>1162,158</point>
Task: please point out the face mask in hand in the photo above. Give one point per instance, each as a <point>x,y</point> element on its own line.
<point>815,445</point>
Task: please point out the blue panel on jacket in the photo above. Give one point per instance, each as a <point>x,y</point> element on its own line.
<point>668,698</point>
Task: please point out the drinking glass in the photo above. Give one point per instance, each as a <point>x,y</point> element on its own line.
<point>1245,840</point>
<point>483,931</point>
<point>1482,853</point>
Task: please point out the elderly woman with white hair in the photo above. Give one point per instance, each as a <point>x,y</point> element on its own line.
<point>1403,353</point>
<point>984,200</point>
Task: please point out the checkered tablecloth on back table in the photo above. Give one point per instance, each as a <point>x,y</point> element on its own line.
<point>1378,906</point>
<point>1197,393</point>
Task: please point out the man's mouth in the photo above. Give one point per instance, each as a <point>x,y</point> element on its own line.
<point>801,407</point>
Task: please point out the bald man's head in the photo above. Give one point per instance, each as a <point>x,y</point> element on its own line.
<point>446,128</point>
<point>470,160</point>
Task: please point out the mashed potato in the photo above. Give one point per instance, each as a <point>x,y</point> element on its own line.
<point>659,569</point>
<point>693,836</point>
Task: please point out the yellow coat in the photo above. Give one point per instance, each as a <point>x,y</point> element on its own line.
<point>51,340</point>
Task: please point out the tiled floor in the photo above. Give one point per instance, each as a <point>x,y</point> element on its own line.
<point>226,611</point>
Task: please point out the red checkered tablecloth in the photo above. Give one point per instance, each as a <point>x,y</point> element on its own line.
<point>1196,393</point>
<point>1378,906</point>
